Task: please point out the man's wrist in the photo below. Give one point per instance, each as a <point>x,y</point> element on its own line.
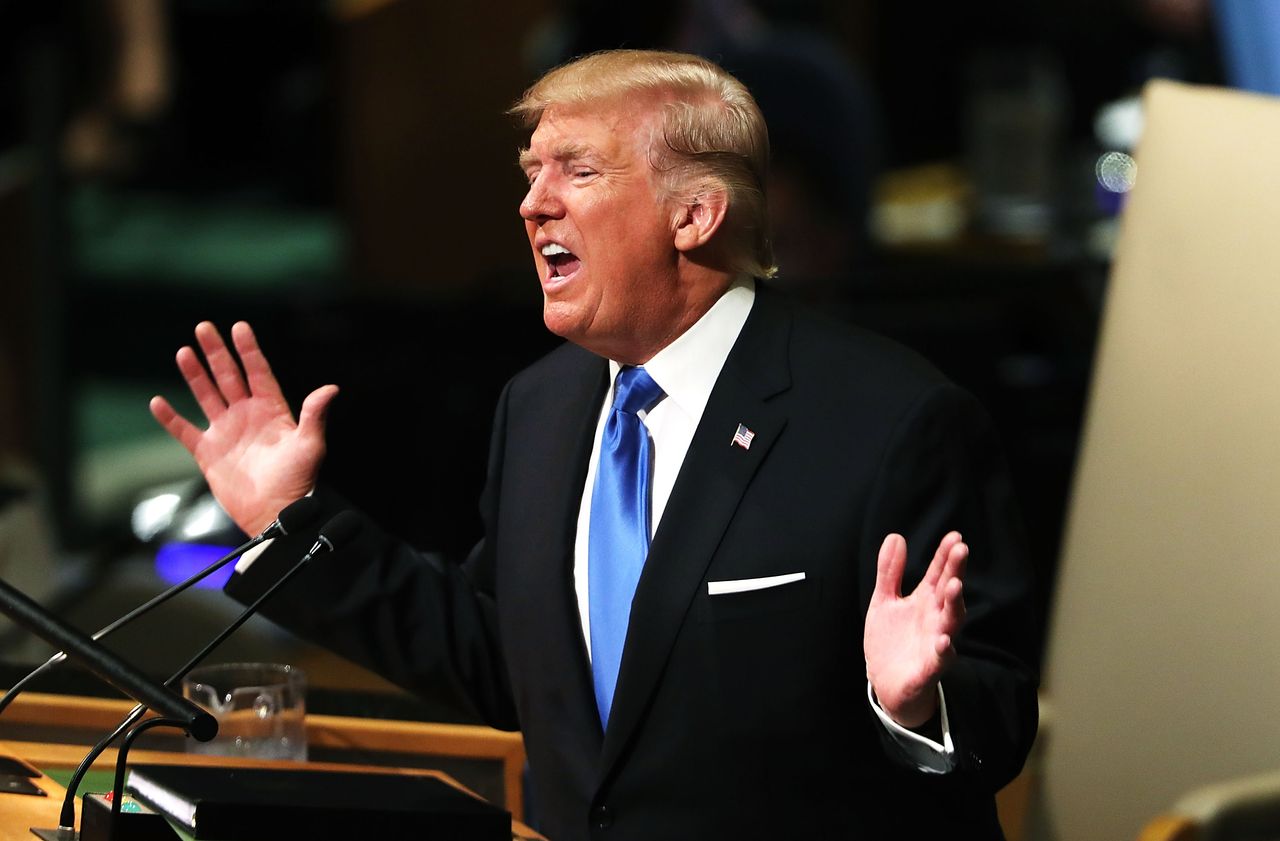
<point>929,753</point>
<point>932,728</point>
<point>915,714</point>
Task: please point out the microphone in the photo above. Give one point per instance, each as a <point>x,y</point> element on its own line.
<point>292,518</point>
<point>338,531</point>
<point>105,664</point>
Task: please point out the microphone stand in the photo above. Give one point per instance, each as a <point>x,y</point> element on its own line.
<point>175,709</point>
<point>340,529</point>
<point>105,664</point>
<point>293,516</point>
<point>117,790</point>
<point>20,685</point>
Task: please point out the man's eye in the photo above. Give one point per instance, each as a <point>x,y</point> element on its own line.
<point>583,173</point>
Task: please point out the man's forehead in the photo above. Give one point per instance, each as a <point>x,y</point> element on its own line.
<point>592,129</point>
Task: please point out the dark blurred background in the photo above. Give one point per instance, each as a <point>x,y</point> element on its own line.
<point>341,174</point>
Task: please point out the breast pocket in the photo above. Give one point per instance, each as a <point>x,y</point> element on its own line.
<point>743,598</point>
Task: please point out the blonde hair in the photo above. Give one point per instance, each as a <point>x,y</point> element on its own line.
<point>713,134</point>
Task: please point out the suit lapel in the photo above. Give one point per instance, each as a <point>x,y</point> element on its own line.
<point>710,485</point>
<point>566,422</point>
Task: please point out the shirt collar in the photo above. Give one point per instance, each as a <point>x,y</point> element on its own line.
<point>687,369</point>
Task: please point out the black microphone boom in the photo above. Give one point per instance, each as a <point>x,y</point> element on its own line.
<point>292,517</point>
<point>336,532</point>
<point>105,664</point>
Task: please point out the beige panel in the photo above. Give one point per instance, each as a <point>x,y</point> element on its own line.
<point>1164,658</point>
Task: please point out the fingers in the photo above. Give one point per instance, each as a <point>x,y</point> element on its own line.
<point>227,383</point>
<point>946,574</point>
<point>934,573</point>
<point>952,606</point>
<point>315,409</point>
<point>942,647</point>
<point>262,383</point>
<point>950,580</point>
<point>175,424</point>
<point>889,567</point>
<point>225,370</point>
<point>202,388</point>
<point>950,618</point>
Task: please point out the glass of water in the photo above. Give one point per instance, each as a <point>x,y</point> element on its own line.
<point>260,707</point>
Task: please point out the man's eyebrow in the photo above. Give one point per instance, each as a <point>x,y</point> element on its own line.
<point>565,152</point>
<point>573,151</point>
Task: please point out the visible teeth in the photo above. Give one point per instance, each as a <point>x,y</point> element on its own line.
<point>553,248</point>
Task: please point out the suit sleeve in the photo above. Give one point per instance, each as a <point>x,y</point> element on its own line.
<point>944,470</point>
<point>423,622</point>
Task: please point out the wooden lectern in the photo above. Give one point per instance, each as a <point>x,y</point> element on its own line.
<point>18,813</point>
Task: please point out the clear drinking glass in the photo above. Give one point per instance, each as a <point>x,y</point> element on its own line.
<point>260,707</point>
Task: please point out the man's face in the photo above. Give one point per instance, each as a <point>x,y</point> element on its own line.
<point>602,239</point>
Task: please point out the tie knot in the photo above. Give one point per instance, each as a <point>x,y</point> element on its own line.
<point>635,390</point>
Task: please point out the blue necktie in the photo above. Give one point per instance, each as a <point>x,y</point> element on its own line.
<point>619,536</point>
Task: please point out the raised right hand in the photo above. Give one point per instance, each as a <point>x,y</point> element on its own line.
<point>256,459</point>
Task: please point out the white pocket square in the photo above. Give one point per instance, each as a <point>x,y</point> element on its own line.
<point>744,585</point>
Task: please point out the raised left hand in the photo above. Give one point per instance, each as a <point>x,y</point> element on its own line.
<point>907,640</point>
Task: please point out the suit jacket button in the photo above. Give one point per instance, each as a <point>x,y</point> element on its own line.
<point>602,817</point>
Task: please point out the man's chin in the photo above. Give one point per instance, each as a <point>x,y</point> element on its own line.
<point>562,319</point>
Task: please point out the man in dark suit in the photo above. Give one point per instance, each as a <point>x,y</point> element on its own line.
<point>675,598</point>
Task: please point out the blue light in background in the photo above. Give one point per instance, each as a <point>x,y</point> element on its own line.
<point>177,562</point>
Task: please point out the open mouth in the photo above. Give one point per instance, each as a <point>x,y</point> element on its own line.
<point>561,262</point>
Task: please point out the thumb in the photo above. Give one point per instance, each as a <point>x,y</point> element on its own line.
<point>315,409</point>
<point>889,567</point>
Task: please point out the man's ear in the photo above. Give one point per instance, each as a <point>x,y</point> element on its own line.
<point>700,220</point>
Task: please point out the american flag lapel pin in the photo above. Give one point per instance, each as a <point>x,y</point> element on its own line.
<point>742,437</point>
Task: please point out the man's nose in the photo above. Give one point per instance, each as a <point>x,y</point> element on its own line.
<point>540,203</point>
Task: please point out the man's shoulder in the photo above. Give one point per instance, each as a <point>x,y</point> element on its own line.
<point>840,352</point>
<point>841,373</point>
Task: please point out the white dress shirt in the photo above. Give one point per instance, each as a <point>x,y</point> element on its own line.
<point>687,370</point>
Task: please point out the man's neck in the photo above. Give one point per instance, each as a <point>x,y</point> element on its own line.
<point>638,352</point>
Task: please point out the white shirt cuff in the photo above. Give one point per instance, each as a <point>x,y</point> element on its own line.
<point>247,559</point>
<point>929,756</point>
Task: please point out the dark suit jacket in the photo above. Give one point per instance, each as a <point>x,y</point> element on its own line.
<point>738,716</point>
